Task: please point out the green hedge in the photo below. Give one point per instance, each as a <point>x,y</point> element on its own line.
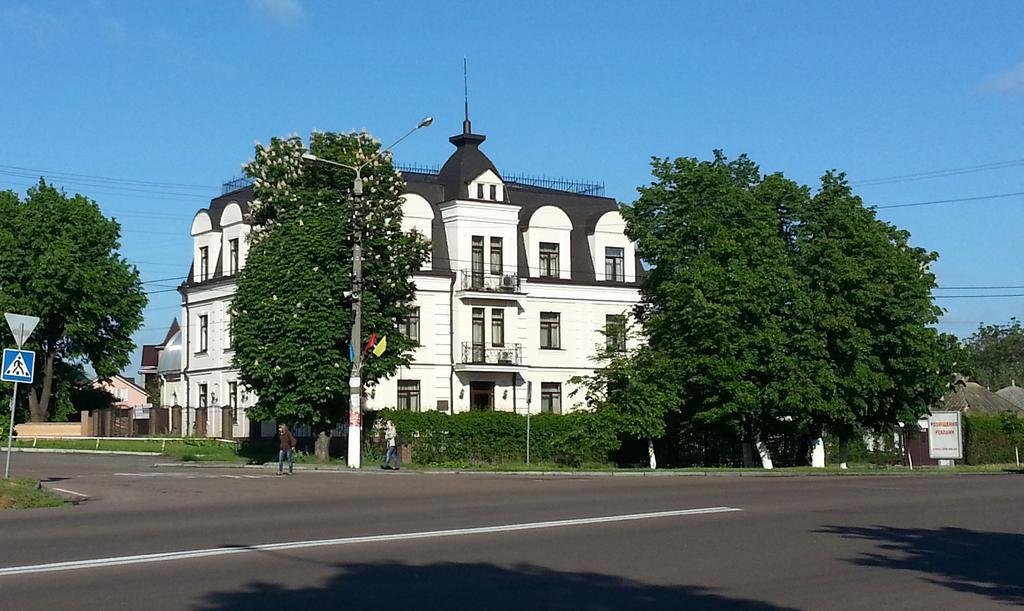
<point>497,437</point>
<point>985,441</point>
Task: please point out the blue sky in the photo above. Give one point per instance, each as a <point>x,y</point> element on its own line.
<point>178,92</point>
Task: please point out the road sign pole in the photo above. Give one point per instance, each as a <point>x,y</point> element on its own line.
<point>10,432</point>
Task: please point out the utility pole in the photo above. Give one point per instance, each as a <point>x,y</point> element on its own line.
<point>355,382</point>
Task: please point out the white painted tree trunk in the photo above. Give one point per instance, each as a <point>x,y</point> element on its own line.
<point>766,455</point>
<point>650,454</point>
<point>844,453</point>
<point>818,454</point>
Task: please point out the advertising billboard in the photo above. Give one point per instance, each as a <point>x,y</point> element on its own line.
<point>945,436</point>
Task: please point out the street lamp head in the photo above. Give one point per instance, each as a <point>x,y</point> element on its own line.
<point>310,157</point>
<point>425,122</point>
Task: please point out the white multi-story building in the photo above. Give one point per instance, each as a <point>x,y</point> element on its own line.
<point>523,280</point>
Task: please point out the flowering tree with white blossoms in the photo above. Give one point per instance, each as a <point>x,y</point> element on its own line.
<point>292,312</point>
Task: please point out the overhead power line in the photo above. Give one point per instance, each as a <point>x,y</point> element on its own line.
<point>951,201</point>
<point>998,165</point>
<point>979,296</point>
<point>126,181</point>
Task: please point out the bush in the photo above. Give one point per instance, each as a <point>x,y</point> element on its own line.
<point>885,452</point>
<point>474,438</point>
<point>985,440</point>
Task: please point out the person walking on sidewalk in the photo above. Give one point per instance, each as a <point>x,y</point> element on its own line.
<point>391,437</point>
<point>288,443</point>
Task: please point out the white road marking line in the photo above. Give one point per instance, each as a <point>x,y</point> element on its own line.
<point>429,534</point>
<point>64,490</point>
<point>194,476</point>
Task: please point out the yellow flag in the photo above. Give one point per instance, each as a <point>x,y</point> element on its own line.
<point>381,346</point>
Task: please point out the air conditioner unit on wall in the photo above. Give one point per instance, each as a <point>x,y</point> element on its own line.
<point>508,282</point>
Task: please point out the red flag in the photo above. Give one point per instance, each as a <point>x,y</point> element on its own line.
<point>370,344</point>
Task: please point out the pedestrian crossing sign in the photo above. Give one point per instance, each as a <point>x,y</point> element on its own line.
<point>18,366</point>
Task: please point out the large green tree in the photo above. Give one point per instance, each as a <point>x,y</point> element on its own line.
<point>778,308</point>
<point>995,355</point>
<point>292,314</point>
<point>721,302</point>
<point>870,292</point>
<point>60,261</point>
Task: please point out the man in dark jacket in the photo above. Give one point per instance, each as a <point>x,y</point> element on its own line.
<point>287,449</point>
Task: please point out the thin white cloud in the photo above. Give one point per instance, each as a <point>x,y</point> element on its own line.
<point>1008,82</point>
<point>286,12</point>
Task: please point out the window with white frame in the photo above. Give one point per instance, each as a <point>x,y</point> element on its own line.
<point>202,395</point>
<point>479,190</point>
<point>498,327</point>
<point>204,332</point>
<point>204,263</point>
<point>233,256</point>
<point>548,260</point>
<point>409,326</point>
<point>496,256</point>
<point>409,395</point>
<point>615,332</point>
<point>615,264</point>
<point>551,397</point>
<point>550,330</point>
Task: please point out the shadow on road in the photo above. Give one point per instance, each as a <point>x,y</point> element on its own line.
<point>971,561</point>
<point>474,586</point>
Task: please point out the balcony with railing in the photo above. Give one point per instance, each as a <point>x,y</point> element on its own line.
<point>481,357</point>
<point>480,282</point>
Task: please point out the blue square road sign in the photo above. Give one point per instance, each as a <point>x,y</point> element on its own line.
<point>18,366</point>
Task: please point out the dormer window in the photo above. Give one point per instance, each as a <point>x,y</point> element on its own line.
<point>204,263</point>
<point>615,264</point>
<point>548,260</point>
<point>233,256</point>
<point>479,190</point>
<point>494,193</point>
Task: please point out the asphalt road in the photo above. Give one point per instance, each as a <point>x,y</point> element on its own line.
<point>939,542</point>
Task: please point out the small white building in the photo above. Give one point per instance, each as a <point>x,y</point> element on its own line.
<point>524,277</point>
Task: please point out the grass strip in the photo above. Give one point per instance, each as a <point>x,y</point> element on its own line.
<point>25,493</point>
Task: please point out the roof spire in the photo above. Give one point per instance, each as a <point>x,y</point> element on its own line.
<point>466,127</point>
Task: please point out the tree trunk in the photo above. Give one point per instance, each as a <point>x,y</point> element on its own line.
<point>650,454</point>
<point>844,452</point>
<point>748,454</point>
<point>818,453</point>
<point>766,455</point>
<point>322,447</point>
<point>39,405</point>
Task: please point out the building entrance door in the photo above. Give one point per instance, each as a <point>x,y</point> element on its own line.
<point>481,396</point>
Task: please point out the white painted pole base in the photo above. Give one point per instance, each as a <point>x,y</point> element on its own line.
<point>650,454</point>
<point>818,454</point>
<point>843,465</point>
<point>355,458</point>
<point>766,456</point>
<point>355,423</point>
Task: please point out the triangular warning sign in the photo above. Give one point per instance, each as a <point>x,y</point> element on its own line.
<point>18,368</point>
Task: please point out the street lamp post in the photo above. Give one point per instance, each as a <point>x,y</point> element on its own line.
<point>355,382</point>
